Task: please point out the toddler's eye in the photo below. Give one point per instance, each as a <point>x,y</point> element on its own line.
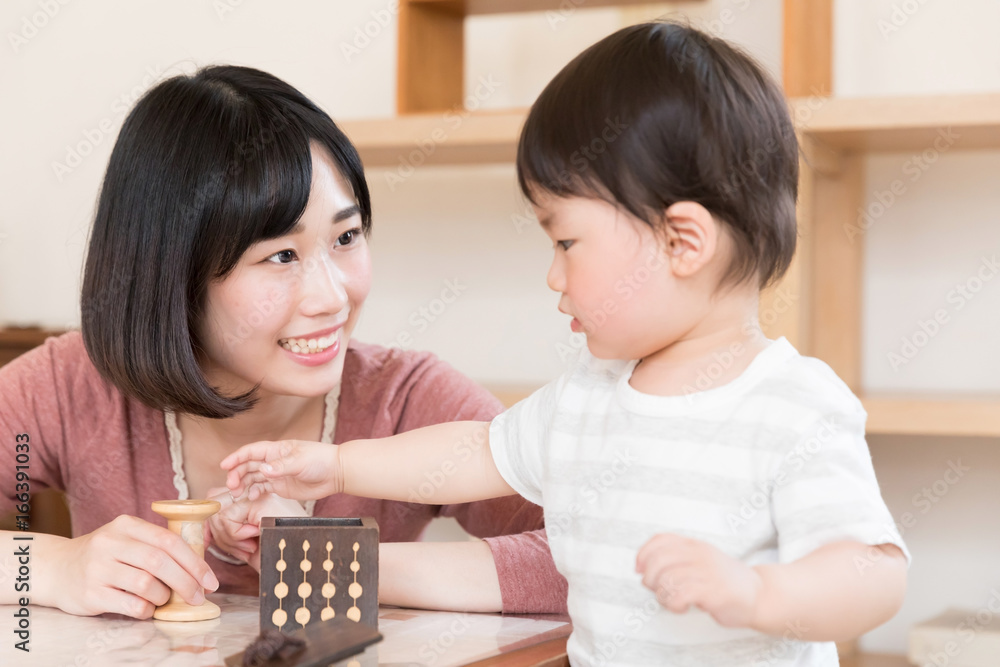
<point>349,237</point>
<point>282,257</point>
<point>565,244</point>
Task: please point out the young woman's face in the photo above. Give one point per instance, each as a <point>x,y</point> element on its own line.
<point>284,316</point>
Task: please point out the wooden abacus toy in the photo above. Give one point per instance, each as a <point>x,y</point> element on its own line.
<point>313,569</point>
<point>187,519</point>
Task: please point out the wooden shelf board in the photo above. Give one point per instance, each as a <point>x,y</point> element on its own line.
<point>887,415</point>
<point>901,123</point>
<point>875,660</point>
<point>455,137</point>
<point>870,124</point>
<point>479,7</point>
<point>927,415</point>
<point>511,394</point>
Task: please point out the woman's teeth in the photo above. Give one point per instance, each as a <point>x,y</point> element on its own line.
<point>307,345</point>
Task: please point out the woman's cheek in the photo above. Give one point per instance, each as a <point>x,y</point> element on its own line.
<point>359,277</point>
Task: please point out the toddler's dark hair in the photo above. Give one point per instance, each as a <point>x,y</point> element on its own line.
<point>659,113</point>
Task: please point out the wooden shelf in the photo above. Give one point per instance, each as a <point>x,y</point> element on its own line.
<point>901,123</point>
<point>904,123</point>
<point>973,416</point>
<point>926,415</point>
<point>440,139</point>
<point>875,660</point>
<point>480,7</point>
<point>430,57</point>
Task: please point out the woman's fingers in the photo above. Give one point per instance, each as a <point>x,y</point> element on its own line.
<point>114,601</point>
<point>162,565</point>
<point>140,583</point>
<point>167,557</point>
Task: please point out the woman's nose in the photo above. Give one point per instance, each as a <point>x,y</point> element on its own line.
<point>323,286</point>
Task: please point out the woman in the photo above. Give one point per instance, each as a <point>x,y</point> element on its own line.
<point>227,268</point>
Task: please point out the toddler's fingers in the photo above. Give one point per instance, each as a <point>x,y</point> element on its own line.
<point>248,546</point>
<point>235,478</point>
<point>241,482</point>
<point>258,489</point>
<point>654,545</point>
<point>245,531</point>
<point>239,553</point>
<point>257,451</point>
<point>655,557</point>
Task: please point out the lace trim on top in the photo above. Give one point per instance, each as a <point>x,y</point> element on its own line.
<point>177,457</point>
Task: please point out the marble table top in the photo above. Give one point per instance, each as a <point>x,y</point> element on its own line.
<point>410,637</point>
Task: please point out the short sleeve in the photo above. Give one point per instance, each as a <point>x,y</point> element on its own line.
<point>519,439</point>
<point>825,490</point>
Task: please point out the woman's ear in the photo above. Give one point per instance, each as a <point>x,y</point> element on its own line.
<point>691,237</point>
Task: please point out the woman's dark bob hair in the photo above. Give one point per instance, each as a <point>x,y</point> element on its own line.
<point>659,113</point>
<point>205,166</point>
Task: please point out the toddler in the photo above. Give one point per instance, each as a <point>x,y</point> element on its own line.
<point>708,493</point>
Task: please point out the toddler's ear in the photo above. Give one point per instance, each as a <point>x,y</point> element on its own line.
<point>691,237</point>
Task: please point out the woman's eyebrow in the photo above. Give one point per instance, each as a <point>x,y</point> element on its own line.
<point>339,216</point>
<point>348,212</point>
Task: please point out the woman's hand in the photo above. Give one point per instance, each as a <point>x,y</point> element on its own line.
<point>684,572</point>
<point>127,566</point>
<point>236,527</point>
<point>288,468</point>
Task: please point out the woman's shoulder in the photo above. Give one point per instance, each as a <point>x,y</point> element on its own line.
<point>65,352</point>
<point>372,360</point>
<point>412,385</point>
<point>376,369</point>
<point>60,368</point>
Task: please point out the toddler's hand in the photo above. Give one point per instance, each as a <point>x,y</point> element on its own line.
<point>289,468</point>
<point>684,572</point>
<point>236,527</point>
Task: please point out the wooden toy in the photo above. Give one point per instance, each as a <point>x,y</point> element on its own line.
<point>187,518</point>
<point>317,645</point>
<point>313,569</point>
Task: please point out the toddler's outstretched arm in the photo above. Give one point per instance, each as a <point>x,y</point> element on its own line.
<point>439,464</point>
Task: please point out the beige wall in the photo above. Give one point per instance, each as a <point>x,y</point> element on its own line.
<point>75,75</point>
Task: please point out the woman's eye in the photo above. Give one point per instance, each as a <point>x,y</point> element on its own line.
<point>349,237</point>
<point>282,257</point>
<point>565,244</point>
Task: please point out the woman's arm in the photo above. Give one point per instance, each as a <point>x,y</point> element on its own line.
<point>125,567</point>
<point>411,575</point>
<point>52,398</point>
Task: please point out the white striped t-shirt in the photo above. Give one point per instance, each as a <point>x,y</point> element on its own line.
<point>766,468</point>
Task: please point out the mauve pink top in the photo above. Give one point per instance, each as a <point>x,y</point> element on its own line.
<point>110,454</point>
